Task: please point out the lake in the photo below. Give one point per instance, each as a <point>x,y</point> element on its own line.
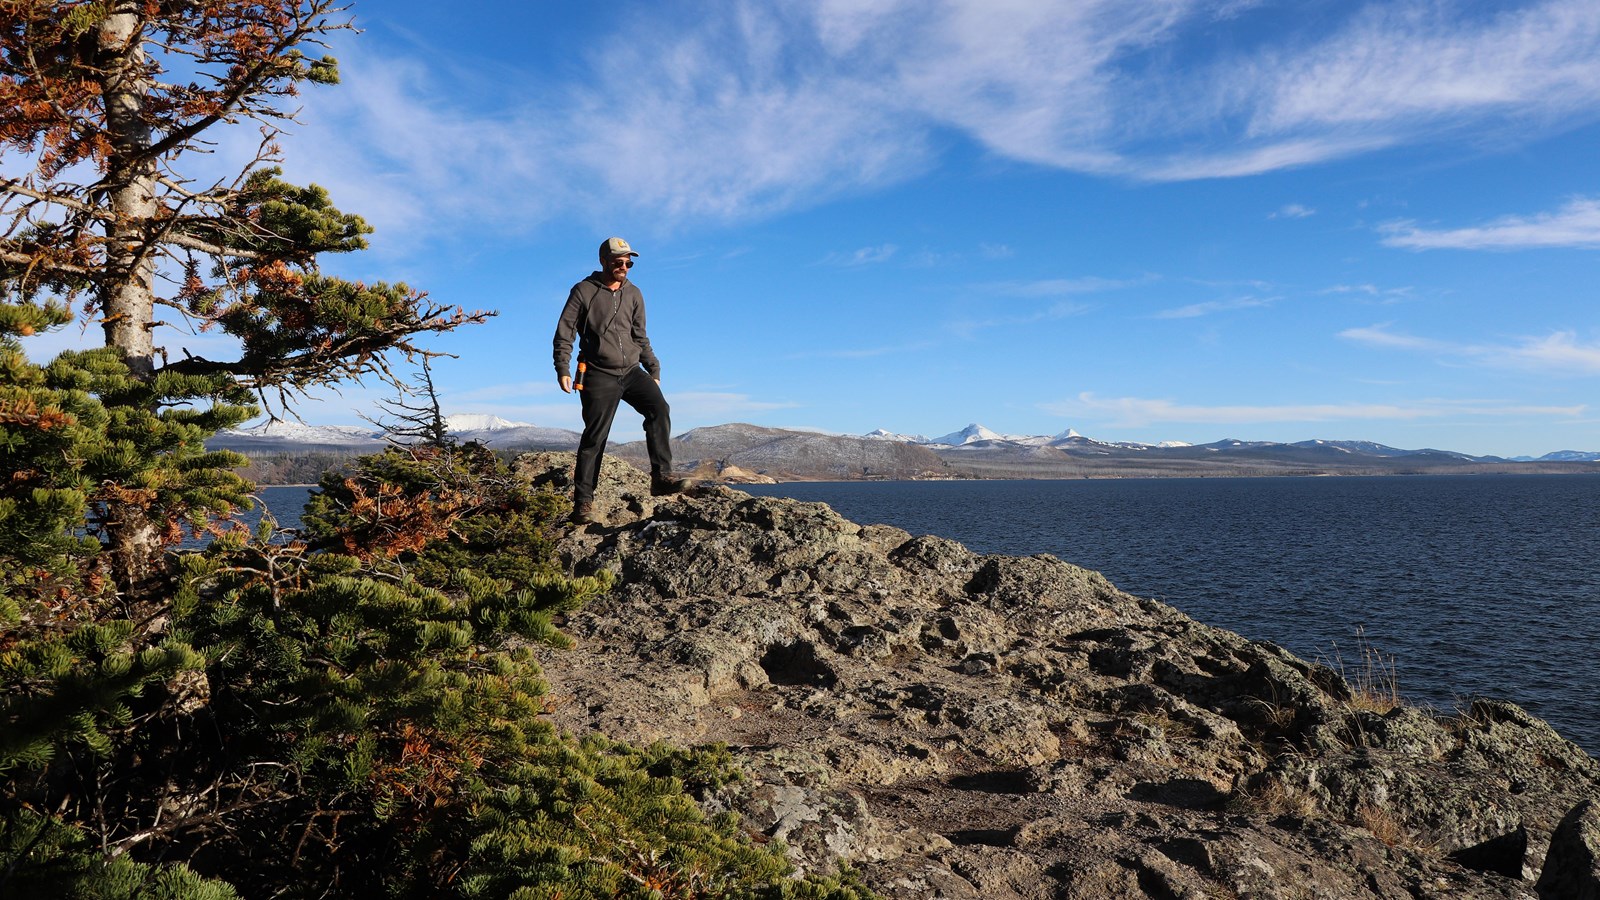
<point>1477,585</point>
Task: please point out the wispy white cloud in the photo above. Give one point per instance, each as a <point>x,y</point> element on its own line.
<point>1035,81</point>
<point>717,405</point>
<point>1141,411</point>
<point>966,328</point>
<point>1558,353</point>
<point>732,114</point>
<point>810,429</point>
<point>1399,73</point>
<point>1379,294</point>
<point>862,257</point>
<point>1057,287</point>
<point>1430,63</point>
<point>983,295</point>
<point>1195,310</point>
<point>515,390</point>
<point>1292,211</point>
<point>393,142</point>
<point>1076,84</point>
<point>1238,161</point>
<point>1575,224</point>
<point>1381,336</point>
<point>744,110</point>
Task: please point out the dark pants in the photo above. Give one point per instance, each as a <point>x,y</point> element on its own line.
<point>601,393</point>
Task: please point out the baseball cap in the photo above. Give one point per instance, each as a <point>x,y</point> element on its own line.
<point>615,247</point>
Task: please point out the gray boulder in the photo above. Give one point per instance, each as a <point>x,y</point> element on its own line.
<point>1572,867</point>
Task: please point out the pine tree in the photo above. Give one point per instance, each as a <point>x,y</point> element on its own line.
<point>415,415</point>
<point>102,102</point>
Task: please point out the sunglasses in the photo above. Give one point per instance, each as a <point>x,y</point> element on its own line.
<point>623,261</point>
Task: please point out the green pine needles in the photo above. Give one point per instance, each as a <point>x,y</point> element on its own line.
<point>355,712</point>
<point>72,865</point>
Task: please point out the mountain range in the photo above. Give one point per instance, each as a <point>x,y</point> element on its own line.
<point>972,452</point>
<point>294,437</point>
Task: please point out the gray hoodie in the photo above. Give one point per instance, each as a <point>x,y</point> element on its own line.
<point>609,326</point>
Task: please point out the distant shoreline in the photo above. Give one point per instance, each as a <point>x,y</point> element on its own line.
<point>1589,469</point>
<point>1054,472</point>
<point>751,454</point>
<point>1519,469</point>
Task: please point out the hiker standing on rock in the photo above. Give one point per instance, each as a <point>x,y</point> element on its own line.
<point>606,312</point>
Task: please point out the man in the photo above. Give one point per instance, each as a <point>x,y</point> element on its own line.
<point>606,312</point>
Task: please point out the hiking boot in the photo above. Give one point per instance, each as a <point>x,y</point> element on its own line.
<point>583,513</point>
<point>665,485</point>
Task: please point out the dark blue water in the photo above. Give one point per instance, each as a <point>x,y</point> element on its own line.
<point>285,504</point>
<point>1478,586</point>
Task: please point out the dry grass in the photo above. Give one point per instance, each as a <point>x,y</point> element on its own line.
<point>1274,715</point>
<point>1167,727</point>
<point>1387,829</point>
<point>1382,825</point>
<point>1274,798</point>
<point>1373,681</point>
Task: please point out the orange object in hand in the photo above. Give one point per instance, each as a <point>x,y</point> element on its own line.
<point>583,367</point>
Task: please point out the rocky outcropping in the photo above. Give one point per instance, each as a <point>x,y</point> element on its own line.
<point>959,725</point>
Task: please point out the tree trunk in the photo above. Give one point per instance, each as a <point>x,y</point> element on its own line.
<point>128,288</point>
<point>129,300</point>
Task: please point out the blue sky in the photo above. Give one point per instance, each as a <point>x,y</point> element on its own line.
<point>1141,219</point>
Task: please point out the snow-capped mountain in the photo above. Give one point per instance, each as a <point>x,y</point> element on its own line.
<point>299,431</point>
<point>289,437</point>
<point>523,437</point>
<point>284,435</point>
<point>493,431</point>
<point>971,435</point>
<point>1233,444</point>
<point>1368,447</point>
<point>1045,440</point>
<point>480,422</point>
<point>883,435</point>
<point>983,452</point>
<point>976,437</point>
<point>975,433</point>
<point>1568,456</point>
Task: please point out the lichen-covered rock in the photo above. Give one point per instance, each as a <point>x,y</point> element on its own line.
<point>966,726</point>
<point>1572,867</point>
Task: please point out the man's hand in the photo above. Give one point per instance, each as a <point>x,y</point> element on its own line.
<point>566,384</point>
